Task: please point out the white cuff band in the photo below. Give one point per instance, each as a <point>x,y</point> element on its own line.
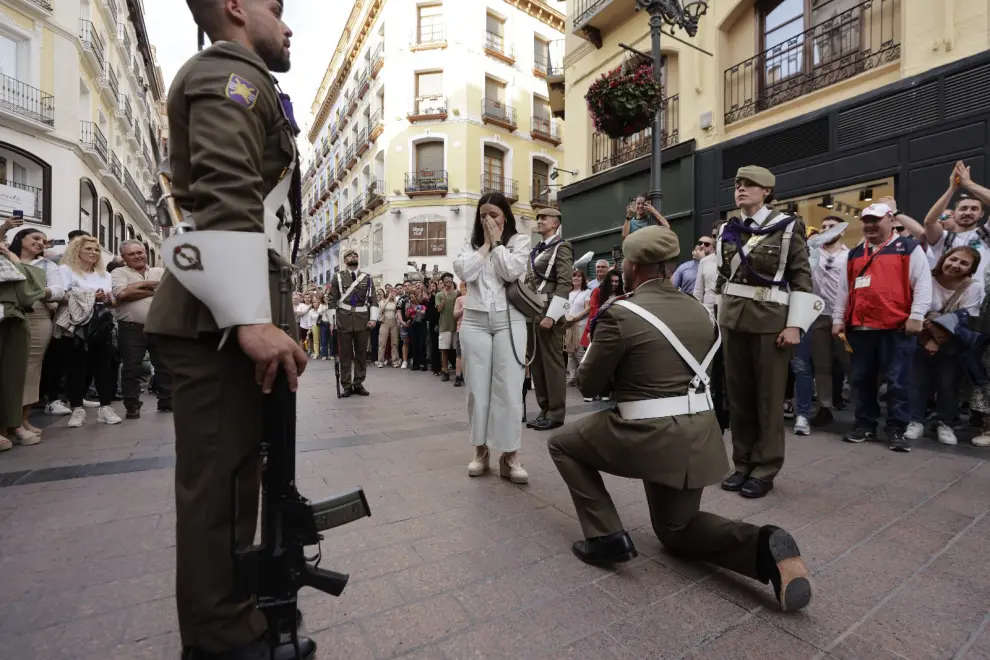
<point>558,307</point>
<point>212,264</point>
<point>803,309</point>
<point>375,313</point>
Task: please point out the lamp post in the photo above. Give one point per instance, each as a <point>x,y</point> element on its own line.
<point>673,14</point>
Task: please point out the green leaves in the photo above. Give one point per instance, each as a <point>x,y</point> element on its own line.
<point>623,104</point>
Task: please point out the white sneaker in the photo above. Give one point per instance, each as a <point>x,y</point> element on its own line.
<point>77,419</point>
<point>405,365</point>
<point>479,464</point>
<point>90,404</point>
<point>107,415</point>
<point>945,434</point>
<point>5,443</point>
<point>57,408</point>
<point>982,440</point>
<point>25,438</point>
<point>588,399</point>
<point>606,398</point>
<point>510,468</point>
<point>381,365</point>
<point>801,426</point>
<point>914,431</point>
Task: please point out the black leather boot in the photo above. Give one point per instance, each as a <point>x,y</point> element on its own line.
<point>611,549</point>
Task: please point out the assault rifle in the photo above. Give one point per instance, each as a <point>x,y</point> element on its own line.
<point>276,568</point>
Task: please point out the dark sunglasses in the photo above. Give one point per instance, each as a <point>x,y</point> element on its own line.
<point>898,229</point>
<point>703,244</point>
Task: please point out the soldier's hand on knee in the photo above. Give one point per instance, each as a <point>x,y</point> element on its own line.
<point>270,348</point>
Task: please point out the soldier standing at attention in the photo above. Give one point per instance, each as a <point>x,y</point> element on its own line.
<point>232,161</point>
<point>352,293</point>
<point>764,304</point>
<point>663,430</point>
<point>549,274</point>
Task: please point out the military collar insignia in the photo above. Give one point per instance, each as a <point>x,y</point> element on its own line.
<point>242,91</point>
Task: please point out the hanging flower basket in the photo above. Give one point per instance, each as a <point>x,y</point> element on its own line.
<point>623,101</point>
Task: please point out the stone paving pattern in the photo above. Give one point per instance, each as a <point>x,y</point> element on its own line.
<point>452,567</point>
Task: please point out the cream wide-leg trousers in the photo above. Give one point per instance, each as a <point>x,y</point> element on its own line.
<point>494,377</point>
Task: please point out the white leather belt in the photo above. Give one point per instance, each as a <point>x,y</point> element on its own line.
<point>362,308</point>
<point>688,404</point>
<point>757,293</point>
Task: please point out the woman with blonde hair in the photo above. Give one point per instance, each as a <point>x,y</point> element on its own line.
<point>84,279</point>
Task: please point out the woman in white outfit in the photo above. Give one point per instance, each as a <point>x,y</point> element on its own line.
<point>493,335</point>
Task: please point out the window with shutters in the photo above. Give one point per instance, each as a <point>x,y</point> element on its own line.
<point>429,175</point>
<point>541,56</point>
<point>430,101</point>
<point>429,157</point>
<point>495,43</point>
<point>541,108</point>
<point>428,238</point>
<point>541,183</point>
<point>494,90</point>
<point>429,29</point>
<point>494,108</point>
<point>363,251</point>
<point>492,170</point>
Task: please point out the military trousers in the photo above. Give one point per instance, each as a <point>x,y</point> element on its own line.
<point>675,514</point>
<point>756,380</point>
<point>217,414</point>
<point>353,353</point>
<point>549,369</point>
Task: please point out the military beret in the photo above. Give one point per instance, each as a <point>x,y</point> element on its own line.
<point>348,253</point>
<point>761,176</point>
<point>651,245</point>
<point>550,213</point>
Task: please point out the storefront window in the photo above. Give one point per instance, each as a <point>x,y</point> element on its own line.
<point>845,203</point>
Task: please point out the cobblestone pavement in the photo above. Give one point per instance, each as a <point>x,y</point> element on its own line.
<point>452,567</point>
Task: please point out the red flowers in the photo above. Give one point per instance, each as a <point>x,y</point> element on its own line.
<point>624,104</point>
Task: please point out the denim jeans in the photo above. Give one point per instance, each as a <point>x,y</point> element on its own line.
<point>324,340</point>
<point>804,377</point>
<point>880,355</point>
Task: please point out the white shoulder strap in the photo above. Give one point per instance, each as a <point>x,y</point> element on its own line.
<point>347,294</point>
<point>546,275</point>
<point>700,370</point>
<point>785,248</point>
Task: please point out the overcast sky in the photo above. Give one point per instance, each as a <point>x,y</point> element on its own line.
<point>316,27</point>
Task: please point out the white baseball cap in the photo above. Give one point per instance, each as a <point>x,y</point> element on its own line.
<point>877,210</point>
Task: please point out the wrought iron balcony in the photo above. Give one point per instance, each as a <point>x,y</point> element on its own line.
<point>377,60</point>
<point>133,188</point>
<point>351,158</point>
<point>607,152</point>
<point>91,42</point>
<point>498,113</point>
<point>429,107</point>
<point>541,195</point>
<point>92,137</point>
<point>363,84</point>
<point>38,197</point>
<point>493,183</point>
<point>545,129</point>
<point>592,17</point>
<point>362,141</point>
<point>112,6</point>
<point>334,134</point>
<point>857,39</point>
<point>125,38</point>
<point>496,46</point>
<point>549,61</point>
<point>112,80</point>
<point>426,182</point>
<point>374,194</point>
<point>427,37</point>
<point>24,100</point>
<point>43,4</point>
<point>115,168</point>
<point>376,125</point>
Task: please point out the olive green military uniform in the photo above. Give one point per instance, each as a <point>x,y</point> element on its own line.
<point>353,315</point>
<point>230,145</point>
<point>549,366</point>
<point>755,368</point>
<point>675,456</point>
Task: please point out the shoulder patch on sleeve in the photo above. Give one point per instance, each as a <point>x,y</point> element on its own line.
<point>241,90</point>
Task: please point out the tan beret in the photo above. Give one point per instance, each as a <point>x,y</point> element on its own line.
<point>348,253</point>
<point>761,176</point>
<point>651,245</point>
<point>549,212</point>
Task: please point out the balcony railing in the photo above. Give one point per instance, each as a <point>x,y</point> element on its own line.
<point>112,6</point>
<point>132,187</point>
<point>376,125</point>
<point>44,4</point>
<point>374,194</point>
<point>38,197</point>
<point>125,38</point>
<point>92,137</point>
<point>115,167</point>
<point>545,129</point>
<point>362,141</point>
<point>493,183</point>
<point>377,60</point>
<point>496,46</point>
<point>125,103</point>
<point>496,112</point>
<point>585,9</point>
<point>363,83</point>
<point>855,40</point>
<point>90,39</point>
<point>426,182</point>
<point>433,106</point>
<point>112,79</point>
<point>24,100</point>
<point>541,195</point>
<point>428,35</point>
<point>334,134</point>
<point>607,152</point>
<point>351,157</point>
<point>549,61</point>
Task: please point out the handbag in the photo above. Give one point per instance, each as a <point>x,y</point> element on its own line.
<point>9,272</point>
<point>529,303</point>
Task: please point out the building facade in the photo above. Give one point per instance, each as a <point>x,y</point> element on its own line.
<point>425,106</point>
<point>80,118</point>
<point>845,100</point>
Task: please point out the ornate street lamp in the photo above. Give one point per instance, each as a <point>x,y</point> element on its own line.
<point>672,14</point>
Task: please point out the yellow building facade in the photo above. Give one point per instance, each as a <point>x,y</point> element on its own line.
<point>836,96</point>
<point>424,107</point>
<point>81,130</point>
